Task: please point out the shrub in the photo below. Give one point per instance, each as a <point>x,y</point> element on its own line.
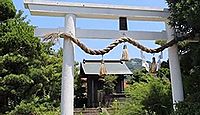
<point>150,97</point>
<point>34,108</point>
<point>190,106</point>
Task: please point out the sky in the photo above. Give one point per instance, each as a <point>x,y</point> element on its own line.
<point>55,22</point>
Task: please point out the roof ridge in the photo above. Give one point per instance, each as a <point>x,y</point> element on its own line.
<point>105,60</point>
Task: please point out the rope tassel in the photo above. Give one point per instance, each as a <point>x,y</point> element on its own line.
<point>125,53</point>
<point>102,70</point>
<point>153,66</point>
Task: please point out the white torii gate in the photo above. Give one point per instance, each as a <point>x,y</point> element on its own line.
<point>71,11</point>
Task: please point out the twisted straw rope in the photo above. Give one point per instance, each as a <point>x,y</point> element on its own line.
<point>55,36</point>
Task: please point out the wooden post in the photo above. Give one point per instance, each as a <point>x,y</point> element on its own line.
<point>67,90</point>
<point>175,72</point>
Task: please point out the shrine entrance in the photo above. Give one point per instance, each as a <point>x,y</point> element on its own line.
<point>71,11</point>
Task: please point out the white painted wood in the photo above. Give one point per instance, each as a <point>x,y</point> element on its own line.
<point>67,91</point>
<point>175,72</point>
<point>40,32</point>
<point>115,34</point>
<point>106,34</point>
<point>98,11</point>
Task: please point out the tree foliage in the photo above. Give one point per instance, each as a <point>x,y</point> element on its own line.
<point>147,95</point>
<point>7,10</point>
<point>28,67</point>
<point>79,96</point>
<point>30,70</point>
<point>109,84</point>
<point>190,106</point>
<point>34,108</point>
<point>185,16</point>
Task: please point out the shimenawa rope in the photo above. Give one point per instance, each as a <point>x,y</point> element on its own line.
<point>55,36</point>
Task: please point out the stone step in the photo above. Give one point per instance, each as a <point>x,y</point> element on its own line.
<point>87,111</point>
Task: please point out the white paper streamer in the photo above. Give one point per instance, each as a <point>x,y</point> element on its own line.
<point>144,63</point>
<point>160,57</point>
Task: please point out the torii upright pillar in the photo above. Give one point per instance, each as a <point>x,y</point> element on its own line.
<point>67,92</point>
<point>175,72</point>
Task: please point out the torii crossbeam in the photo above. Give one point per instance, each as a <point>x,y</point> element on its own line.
<point>71,11</point>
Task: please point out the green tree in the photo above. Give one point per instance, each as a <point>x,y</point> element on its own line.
<point>18,49</point>
<point>28,67</point>
<point>138,76</point>
<point>33,108</point>
<point>185,16</point>
<point>7,10</point>
<point>147,94</point>
<point>109,84</point>
<point>79,90</point>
